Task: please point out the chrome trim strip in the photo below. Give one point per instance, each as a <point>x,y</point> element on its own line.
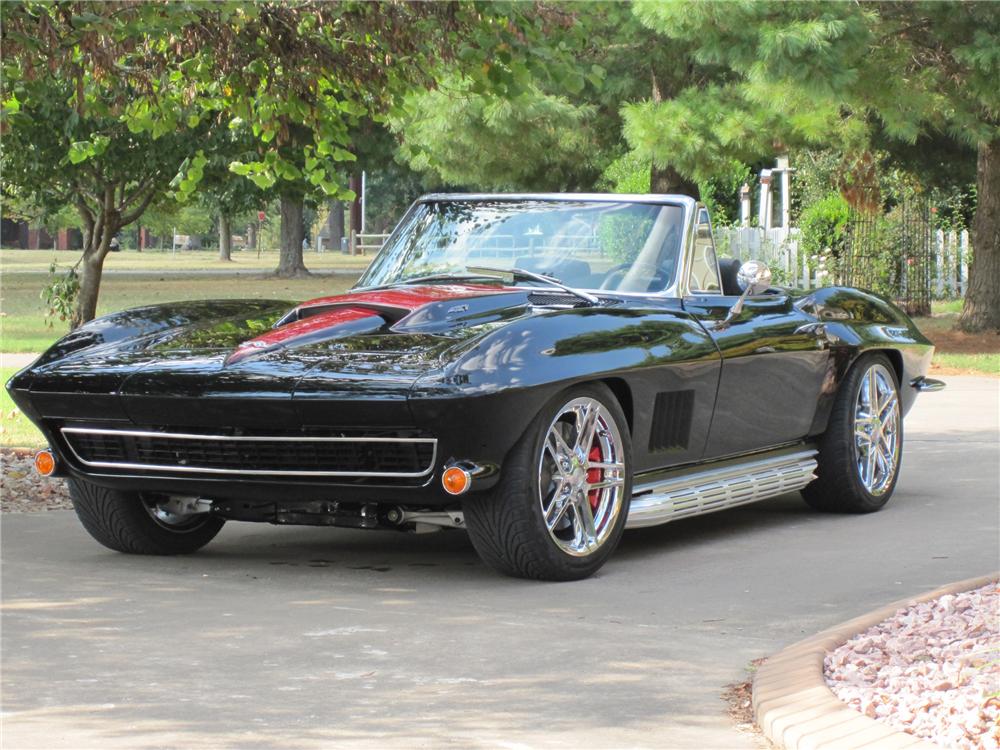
<point>257,438</point>
<point>656,198</point>
<point>247,438</point>
<point>698,493</point>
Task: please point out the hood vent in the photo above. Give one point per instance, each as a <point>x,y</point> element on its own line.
<point>562,299</point>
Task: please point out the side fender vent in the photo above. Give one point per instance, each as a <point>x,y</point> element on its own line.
<point>671,428</point>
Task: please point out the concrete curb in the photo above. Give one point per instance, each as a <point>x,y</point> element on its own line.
<point>796,710</point>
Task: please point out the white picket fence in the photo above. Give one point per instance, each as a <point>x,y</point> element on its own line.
<point>951,264</point>
<point>779,248</point>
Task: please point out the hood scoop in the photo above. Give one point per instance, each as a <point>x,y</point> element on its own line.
<point>353,314</point>
<point>391,314</point>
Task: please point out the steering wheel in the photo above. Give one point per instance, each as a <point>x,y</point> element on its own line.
<point>659,276</point>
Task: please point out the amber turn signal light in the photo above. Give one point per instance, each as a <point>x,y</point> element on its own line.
<point>45,463</point>
<point>456,480</point>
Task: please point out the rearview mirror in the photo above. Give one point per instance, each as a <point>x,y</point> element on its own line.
<point>754,277</point>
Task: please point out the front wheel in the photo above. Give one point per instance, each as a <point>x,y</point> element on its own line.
<point>561,504</point>
<point>860,453</point>
<point>139,525</point>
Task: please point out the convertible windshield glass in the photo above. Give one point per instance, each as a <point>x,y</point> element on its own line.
<point>617,246</point>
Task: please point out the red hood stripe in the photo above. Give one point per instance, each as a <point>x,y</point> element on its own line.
<point>406,298</point>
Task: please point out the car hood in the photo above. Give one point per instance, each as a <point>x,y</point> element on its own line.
<point>195,357</point>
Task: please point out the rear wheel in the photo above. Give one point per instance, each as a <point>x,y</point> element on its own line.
<point>136,524</point>
<point>860,453</point>
<point>562,501</point>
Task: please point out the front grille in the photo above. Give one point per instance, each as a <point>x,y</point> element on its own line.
<point>281,455</point>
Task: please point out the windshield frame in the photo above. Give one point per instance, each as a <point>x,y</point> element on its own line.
<point>672,289</point>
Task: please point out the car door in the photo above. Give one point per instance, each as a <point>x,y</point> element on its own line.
<point>774,357</point>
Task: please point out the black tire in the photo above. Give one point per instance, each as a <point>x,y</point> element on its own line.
<point>121,521</point>
<point>838,487</point>
<point>507,527</point>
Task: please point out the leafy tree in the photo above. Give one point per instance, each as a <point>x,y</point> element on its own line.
<point>846,73</point>
<point>91,161</point>
<point>109,105</point>
<point>304,74</point>
<point>168,215</point>
<point>561,129</point>
<point>464,137</point>
<point>226,197</point>
<point>67,140</point>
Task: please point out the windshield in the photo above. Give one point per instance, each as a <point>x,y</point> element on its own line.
<point>616,246</point>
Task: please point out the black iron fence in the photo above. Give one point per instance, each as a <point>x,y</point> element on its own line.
<point>892,254</point>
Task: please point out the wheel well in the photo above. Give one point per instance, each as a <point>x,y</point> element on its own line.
<point>895,358</point>
<point>624,395</point>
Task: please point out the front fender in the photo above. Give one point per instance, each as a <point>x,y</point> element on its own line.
<point>139,322</point>
<point>490,388</point>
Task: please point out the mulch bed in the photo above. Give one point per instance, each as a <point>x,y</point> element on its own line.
<point>22,490</point>
<point>942,333</point>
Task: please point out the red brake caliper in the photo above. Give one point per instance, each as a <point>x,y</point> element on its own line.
<point>594,475</point>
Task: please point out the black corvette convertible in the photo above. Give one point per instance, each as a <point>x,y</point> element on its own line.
<point>543,371</point>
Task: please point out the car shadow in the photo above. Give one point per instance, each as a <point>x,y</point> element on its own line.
<point>739,522</point>
<point>275,551</point>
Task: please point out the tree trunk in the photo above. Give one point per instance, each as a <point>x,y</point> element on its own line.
<point>90,287</point>
<point>667,180</point>
<point>335,225</point>
<point>225,239</point>
<point>981,311</point>
<point>252,236</point>
<point>290,261</point>
<point>96,248</point>
<point>355,210</point>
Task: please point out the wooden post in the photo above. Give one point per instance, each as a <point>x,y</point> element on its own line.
<point>745,205</point>
<point>354,242</point>
<point>764,212</point>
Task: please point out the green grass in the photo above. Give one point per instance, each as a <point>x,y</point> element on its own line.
<point>15,429</point>
<point>23,327</point>
<point>38,261</point>
<point>987,363</point>
<point>946,306</point>
<point>975,353</point>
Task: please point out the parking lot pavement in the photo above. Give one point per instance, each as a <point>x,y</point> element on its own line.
<point>308,638</point>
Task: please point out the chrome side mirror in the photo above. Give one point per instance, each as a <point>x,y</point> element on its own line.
<point>754,277</point>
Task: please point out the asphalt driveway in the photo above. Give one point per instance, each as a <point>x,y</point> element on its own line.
<point>308,638</point>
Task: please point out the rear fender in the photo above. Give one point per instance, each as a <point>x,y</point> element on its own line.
<point>858,323</point>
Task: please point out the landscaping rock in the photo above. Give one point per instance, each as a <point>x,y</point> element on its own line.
<point>933,670</point>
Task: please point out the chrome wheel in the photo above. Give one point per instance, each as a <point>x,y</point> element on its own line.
<point>581,476</point>
<point>876,430</point>
<point>173,514</point>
